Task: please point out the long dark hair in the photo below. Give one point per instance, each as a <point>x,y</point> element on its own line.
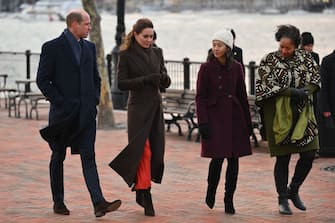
<point>140,24</point>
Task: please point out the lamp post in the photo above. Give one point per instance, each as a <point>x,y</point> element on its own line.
<point>119,98</point>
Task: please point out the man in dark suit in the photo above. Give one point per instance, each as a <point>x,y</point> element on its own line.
<point>307,43</point>
<point>237,51</point>
<point>326,100</point>
<point>68,77</point>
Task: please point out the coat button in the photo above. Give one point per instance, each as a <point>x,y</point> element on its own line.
<point>220,77</point>
<point>230,96</point>
<point>220,87</point>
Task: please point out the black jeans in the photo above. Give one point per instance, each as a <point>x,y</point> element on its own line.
<point>302,168</point>
<point>214,173</point>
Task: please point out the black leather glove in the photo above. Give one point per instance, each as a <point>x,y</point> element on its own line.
<point>299,93</point>
<point>152,79</point>
<point>165,80</point>
<point>204,131</point>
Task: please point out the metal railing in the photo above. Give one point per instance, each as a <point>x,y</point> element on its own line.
<point>183,73</point>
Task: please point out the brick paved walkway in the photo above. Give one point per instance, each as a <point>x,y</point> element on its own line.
<point>25,193</point>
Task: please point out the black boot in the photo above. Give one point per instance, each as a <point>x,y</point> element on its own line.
<point>284,208</point>
<point>228,204</point>
<point>230,185</point>
<point>210,195</point>
<point>213,179</point>
<point>294,196</point>
<point>147,203</point>
<point>140,198</point>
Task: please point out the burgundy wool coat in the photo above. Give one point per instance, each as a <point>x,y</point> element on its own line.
<point>222,103</point>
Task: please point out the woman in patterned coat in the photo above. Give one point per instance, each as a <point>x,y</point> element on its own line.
<point>285,84</point>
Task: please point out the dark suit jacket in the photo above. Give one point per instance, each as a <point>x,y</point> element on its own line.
<point>327,94</point>
<point>70,87</point>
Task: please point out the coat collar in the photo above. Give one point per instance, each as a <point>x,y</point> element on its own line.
<point>67,49</point>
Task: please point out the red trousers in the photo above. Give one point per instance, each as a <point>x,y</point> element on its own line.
<point>143,179</point>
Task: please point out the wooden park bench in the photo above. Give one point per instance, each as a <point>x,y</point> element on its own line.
<point>4,90</point>
<point>30,99</point>
<point>179,105</point>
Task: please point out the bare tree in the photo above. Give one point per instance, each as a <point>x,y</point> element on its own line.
<point>105,116</point>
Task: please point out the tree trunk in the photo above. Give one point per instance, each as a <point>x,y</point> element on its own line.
<point>105,115</point>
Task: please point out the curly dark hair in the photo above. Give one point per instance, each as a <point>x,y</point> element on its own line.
<point>288,31</point>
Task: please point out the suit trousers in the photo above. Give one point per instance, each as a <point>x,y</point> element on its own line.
<point>89,168</point>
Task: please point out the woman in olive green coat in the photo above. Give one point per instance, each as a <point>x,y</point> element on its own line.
<point>285,84</point>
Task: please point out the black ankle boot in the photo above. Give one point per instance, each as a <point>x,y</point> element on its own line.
<point>210,196</point>
<point>295,198</point>
<point>140,197</point>
<point>147,203</point>
<point>228,204</point>
<point>284,208</point>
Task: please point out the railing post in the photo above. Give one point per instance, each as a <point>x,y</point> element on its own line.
<point>28,54</point>
<point>252,70</point>
<point>186,63</point>
<point>109,69</point>
<point>119,98</point>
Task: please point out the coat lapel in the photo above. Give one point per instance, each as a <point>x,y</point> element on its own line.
<point>67,49</point>
<point>144,63</point>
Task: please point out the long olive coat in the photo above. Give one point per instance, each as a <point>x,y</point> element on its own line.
<point>222,103</point>
<point>145,114</point>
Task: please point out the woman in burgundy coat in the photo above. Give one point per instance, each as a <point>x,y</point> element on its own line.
<point>223,116</point>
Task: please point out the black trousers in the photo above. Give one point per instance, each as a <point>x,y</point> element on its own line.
<point>302,168</point>
<point>214,173</point>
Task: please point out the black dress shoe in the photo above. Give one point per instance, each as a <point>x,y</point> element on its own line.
<point>60,208</point>
<point>103,207</point>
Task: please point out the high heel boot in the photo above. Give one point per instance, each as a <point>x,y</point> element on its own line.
<point>147,203</point>
<point>139,198</point>
<point>228,204</point>
<point>230,185</point>
<point>214,172</point>
<point>210,195</point>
